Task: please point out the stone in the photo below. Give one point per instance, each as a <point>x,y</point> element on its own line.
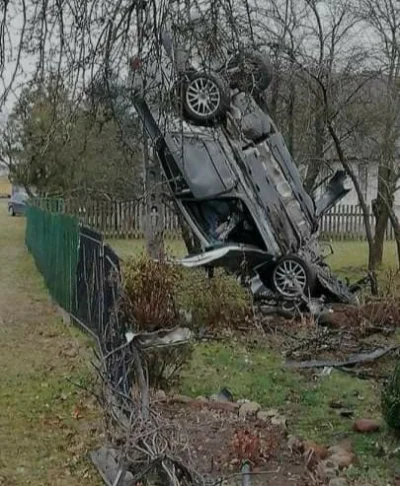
<point>366,425</point>
<point>249,408</point>
<point>327,469</point>
<point>226,406</point>
<point>345,445</point>
<point>279,420</point>
<point>295,444</point>
<point>343,459</point>
<point>181,399</point>
<point>201,399</point>
<point>161,396</point>
<point>338,482</point>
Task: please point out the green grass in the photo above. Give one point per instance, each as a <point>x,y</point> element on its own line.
<point>350,258</point>
<point>259,374</point>
<point>43,440</point>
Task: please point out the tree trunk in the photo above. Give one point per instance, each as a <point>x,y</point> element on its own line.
<point>396,228</point>
<point>291,107</point>
<point>154,227</point>
<point>363,204</point>
<point>381,213</point>
<point>314,167</point>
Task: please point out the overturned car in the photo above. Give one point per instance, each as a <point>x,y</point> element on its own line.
<point>233,179</point>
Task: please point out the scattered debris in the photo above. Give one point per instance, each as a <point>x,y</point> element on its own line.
<point>352,360</point>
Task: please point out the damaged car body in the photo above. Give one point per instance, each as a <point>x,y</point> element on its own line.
<point>234,180</point>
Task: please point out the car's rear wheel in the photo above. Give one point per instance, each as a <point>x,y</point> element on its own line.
<point>205,97</point>
<point>11,211</point>
<point>293,277</point>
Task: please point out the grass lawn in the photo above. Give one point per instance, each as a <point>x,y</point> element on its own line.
<point>257,372</point>
<point>47,423</point>
<point>5,186</point>
<point>349,259</point>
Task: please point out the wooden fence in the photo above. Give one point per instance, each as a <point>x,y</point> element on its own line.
<point>121,219</point>
<point>126,219</point>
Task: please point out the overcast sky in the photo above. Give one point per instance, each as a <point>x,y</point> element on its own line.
<point>360,35</point>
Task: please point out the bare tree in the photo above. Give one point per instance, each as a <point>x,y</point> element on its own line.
<point>383,18</point>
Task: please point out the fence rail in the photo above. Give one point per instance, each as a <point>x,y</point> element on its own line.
<point>80,270</point>
<point>126,219</point>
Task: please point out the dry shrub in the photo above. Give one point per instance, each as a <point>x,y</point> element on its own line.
<point>217,302</point>
<point>149,304</point>
<point>150,289</point>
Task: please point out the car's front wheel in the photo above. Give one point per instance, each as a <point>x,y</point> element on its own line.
<point>293,277</point>
<point>205,97</point>
<point>11,211</point>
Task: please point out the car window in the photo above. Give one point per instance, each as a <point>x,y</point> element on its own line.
<point>20,197</point>
<point>205,167</point>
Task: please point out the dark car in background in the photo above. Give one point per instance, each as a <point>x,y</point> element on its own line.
<point>233,178</point>
<point>17,204</point>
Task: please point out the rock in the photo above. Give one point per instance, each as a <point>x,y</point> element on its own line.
<point>338,482</point>
<point>295,444</point>
<point>249,408</point>
<point>327,469</point>
<point>279,420</point>
<point>181,399</point>
<point>343,446</point>
<point>224,395</point>
<point>366,425</point>
<point>343,459</point>
<point>226,406</point>
<point>161,396</point>
<point>201,399</point>
<point>241,401</point>
<point>320,451</point>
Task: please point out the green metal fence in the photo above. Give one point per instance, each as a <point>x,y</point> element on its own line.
<point>53,239</point>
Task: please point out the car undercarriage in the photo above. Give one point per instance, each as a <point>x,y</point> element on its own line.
<point>234,181</point>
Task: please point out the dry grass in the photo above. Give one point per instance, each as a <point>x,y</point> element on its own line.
<point>47,423</point>
<point>5,186</point>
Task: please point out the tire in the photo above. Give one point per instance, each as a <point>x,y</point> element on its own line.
<point>292,277</point>
<point>205,97</point>
<point>250,71</point>
<point>11,211</point>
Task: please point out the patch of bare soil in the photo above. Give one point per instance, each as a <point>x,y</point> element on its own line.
<point>218,441</point>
